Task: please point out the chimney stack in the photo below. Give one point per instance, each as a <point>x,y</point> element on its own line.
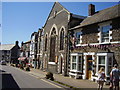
<point>91,10</point>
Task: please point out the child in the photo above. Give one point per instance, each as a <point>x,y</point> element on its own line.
<point>101,78</point>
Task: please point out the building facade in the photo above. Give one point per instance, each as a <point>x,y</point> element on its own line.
<point>33,49</point>
<point>25,52</point>
<point>40,48</point>
<point>55,37</point>
<point>95,43</point>
<point>10,52</point>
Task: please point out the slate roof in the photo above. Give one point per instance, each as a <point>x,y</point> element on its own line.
<point>6,46</point>
<point>78,16</point>
<point>101,16</point>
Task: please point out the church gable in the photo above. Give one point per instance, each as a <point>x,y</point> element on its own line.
<point>57,8</point>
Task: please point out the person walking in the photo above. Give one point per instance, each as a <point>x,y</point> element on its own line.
<point>115,74</point>
<point>111,81</point>
<point>101,78</point>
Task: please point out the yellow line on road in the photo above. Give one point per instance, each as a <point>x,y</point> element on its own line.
<point>33,75</point>
<point>51,83</point>
<point>45,81</point>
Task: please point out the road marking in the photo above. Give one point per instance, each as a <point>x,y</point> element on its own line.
<point>51,83</point>
<point>33,75</point>
<point>44,80</point>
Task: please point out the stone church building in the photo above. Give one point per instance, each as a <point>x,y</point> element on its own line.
<point>55,39</point>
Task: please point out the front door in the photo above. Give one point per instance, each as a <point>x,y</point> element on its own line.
<point>89,67</point>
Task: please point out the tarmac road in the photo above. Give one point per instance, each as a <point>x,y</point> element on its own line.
<point>16,78</point>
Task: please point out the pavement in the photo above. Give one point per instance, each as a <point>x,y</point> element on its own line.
<point>77,83</point>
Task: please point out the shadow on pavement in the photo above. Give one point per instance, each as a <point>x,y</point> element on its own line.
<point>8,82</point>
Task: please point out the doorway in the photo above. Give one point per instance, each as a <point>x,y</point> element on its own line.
<point>61,62</point>
<point>89,66</point>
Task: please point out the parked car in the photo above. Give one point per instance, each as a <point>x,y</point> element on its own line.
<point>3,62</point>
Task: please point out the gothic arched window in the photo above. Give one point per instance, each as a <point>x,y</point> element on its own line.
<point>52,45</point>
<point>46,43</point>
<point>62,39</point>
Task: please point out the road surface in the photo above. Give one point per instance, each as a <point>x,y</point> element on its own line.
<point>13,77</point>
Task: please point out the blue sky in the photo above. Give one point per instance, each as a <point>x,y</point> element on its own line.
<point>21,19</point>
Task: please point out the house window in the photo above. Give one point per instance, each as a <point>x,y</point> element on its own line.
<point>74,62</point>
<point>101,62</point>
<point>77,35</point>
<point>105,33</point>
<point>79,63</point>
<point>110,64</point>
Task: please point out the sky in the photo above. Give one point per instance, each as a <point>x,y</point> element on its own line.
<point>21,19</point>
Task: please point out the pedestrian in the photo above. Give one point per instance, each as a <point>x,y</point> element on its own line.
<point>111,82</point>
<point>115,73</point>
<point>101,78</point>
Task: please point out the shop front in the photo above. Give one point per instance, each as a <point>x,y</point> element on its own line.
<point>87,65</point>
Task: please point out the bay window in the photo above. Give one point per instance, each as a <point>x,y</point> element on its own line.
<point>79,63</point>
<point>105,60</point>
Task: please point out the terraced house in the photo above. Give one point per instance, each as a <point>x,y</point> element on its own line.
<point>95,43</point>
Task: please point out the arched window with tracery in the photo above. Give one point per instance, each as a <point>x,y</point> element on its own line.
<point>52,45</point>
<point>46,43</point>
<point>62,39</point>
